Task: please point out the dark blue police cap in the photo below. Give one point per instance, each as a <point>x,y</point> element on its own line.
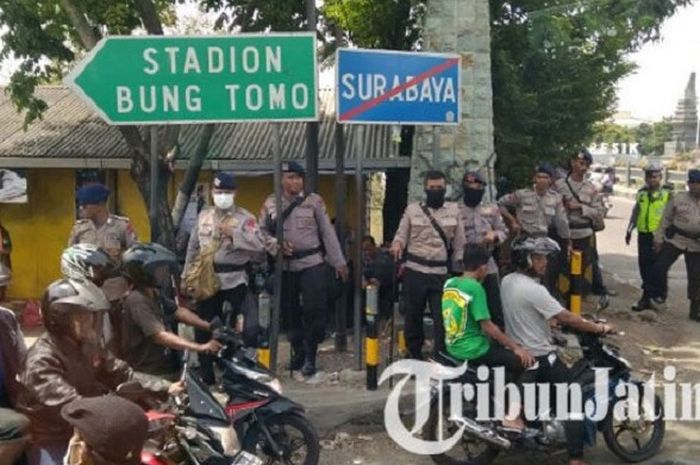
<point>92,194</point>
<point>224,181</point>
<point>473,176</point>
<point>694,175</point>
<point>292,167</point>
<point>584,154</point>
<point>545,168</point>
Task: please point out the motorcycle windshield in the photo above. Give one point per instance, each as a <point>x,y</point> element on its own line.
<point>202,403</point>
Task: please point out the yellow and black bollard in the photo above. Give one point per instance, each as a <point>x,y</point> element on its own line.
<point>576,286</point>
<point>264,309</point>
<point>371,341</point>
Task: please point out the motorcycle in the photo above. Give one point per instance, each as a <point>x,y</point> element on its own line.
<point>269,423</point>
<point>482,441</point>
<point>191,429</point>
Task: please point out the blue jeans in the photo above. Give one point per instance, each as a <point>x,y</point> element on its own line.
<point>48,453</point>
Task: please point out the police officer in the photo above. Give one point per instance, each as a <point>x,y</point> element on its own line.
<point>432,234</point>
<point>240,244</point>
<point>114,234</point>
<point>646,217</point>
<point>585,208</point>
<point>539,212</point>
<point>678,234</point>
<point>308,236</point>
<point>483,225</point>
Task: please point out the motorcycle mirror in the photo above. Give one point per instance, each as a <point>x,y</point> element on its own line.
<point>130,390</point>
<point>227,311</point>
<point>603,303</point>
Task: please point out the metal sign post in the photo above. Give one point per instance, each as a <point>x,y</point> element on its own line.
<point>279,262</point>
<point>357,246</point>
<point>153,200</point>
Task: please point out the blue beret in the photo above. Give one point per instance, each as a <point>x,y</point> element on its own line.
<point>545,168</point>
<point>92,194</point>
<point>473,176</point>
<point>694,175</point>
<point>292,167</point>
<point>224,181</point>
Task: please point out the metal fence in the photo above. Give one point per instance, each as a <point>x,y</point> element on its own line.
<point>630,175</point>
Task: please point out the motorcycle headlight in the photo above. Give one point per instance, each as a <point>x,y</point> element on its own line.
<point>275,384</point>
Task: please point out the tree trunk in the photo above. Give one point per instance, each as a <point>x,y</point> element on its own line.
<point>193,168</point>
<point>138,145</point>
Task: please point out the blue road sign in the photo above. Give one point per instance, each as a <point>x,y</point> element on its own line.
<point>390,87</point>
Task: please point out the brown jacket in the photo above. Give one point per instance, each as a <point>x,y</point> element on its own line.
<point>56,373</point>
<point>12,350</point>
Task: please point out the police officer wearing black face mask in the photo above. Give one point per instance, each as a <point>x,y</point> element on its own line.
<point>483,226</point>
<point>432,236</point>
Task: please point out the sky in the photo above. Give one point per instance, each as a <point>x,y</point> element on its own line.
<point>652,92</point>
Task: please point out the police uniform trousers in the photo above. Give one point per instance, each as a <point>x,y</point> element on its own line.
<point>647,258</point>
<point>587,245</point>
<point>304,307</point>
<point>421,288</point>
<point>666,258</point>
<point>208,310</point>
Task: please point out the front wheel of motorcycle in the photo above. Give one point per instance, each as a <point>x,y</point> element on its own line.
<point>467,451</point>
<point>294,435</point>
<point>635,440</point>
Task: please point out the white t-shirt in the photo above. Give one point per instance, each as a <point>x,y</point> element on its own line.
<point>527,309</point>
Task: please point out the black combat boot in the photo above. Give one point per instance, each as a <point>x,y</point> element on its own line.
<point>695,310</point>
<point>309,368</point>
<point>296,361</point>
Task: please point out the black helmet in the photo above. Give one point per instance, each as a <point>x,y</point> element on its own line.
<point>82,261</point>
<point>140,262</point>
<point>65,296</point>
<point>522,250</point>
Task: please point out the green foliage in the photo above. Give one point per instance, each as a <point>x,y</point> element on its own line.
<point>258,15</point>
<point>555,64</point>
<point>651,137</point>
<point>40,34</point>
<point>394,24</point>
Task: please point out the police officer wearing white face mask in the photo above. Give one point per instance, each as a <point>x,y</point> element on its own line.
<point>240,243</point>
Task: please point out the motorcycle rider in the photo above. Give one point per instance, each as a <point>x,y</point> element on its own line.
<point>147,343</point>
<point>470,334</point>
<point>528,310</point>
<point>67,363</point>
<point>13,425</point>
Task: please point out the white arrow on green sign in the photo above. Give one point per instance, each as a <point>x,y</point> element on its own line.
<point>198,79</point>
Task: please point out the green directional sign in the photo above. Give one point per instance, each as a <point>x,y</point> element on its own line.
<point>198,79</point>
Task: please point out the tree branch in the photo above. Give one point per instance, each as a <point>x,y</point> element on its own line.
<point>86,33</point>
<point>193,168</point>
<point>149,16</point>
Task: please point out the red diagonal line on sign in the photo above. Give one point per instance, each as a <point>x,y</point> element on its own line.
<point>398,89</point>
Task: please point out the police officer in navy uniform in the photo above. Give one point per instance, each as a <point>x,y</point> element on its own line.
<point>646,218</point>
<point>308,237</point>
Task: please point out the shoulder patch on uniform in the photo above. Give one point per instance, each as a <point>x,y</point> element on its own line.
<point>81,221</point>
<point>120,218</point>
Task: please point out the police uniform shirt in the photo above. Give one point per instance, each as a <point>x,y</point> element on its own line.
<point>478,222</point>
<point>244,244</point>
<point>306,228</point>
<point>114,237</point>
<point>418,236</point>
<point>682,211</point>
<point>591,205</point>
<point>537,213</point>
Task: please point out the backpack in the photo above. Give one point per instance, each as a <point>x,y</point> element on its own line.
<point>201,281</point>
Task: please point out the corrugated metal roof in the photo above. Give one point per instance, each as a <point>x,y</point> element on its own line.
<point>71,135</point>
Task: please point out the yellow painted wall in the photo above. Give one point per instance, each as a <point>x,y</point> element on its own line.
<point>40,228</point>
